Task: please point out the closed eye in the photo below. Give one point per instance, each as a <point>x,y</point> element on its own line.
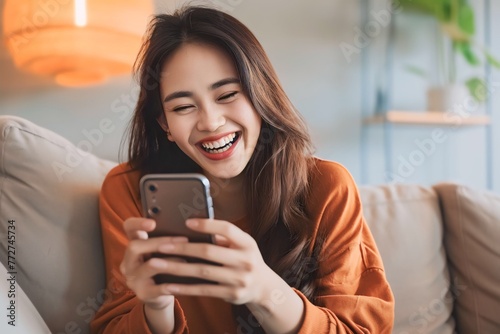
<point>182,108</point>
<point>228,96</point>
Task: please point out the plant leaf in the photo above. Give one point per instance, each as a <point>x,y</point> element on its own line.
<point>438,9</point>
<point>466,50</point>
<point>477,89</point>
<point>492,60</point>
<point>466,19</point>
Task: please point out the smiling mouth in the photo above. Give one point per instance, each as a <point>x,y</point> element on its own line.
<point>221,145</point>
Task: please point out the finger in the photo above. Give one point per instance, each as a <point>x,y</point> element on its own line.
<point>137,228</point>
<point>152,267</point>
<point>137,250</point>
<point>220,274</point>
<point>146,289</point>
<point>143,274</point>
<point>232,233</point>
<point>210,252</point>
<point>224,292</point>
<point>221,241</point>
<point>150,291</point>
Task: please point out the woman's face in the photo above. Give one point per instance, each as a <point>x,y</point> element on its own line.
<point>206,111</point>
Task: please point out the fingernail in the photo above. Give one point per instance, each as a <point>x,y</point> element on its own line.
<point>191,223</point>
<point>147,224</point>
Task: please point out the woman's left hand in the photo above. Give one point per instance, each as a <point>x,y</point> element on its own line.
<point>242,276</point>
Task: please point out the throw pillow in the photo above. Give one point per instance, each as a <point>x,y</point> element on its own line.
<point>472,222</point>
<point>405,221</point>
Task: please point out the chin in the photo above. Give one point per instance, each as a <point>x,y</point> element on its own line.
<point>229,174</point>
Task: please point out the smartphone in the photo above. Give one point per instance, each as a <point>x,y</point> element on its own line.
<point>170,199</point>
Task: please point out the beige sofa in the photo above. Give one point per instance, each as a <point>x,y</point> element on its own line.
<point>440,245</point>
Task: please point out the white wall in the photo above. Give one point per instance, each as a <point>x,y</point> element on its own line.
<point>303,40</point>
<point>461,157</point>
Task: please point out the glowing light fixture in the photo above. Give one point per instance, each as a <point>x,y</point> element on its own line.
<point>77,42</point>
<point>80,13</point>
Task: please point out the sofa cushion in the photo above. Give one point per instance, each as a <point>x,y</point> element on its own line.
<point>472,240</point>
<point>50,189</point>
<point>405,221</point>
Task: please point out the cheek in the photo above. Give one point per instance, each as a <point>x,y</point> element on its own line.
<point>181,129</point>
<point>174,129</point>
<point>175,121</point>
<point>249,115</point>
<point>255,120</point>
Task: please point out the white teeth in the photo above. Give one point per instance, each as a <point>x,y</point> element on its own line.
<point>219,144</point>
<point>220,150</point>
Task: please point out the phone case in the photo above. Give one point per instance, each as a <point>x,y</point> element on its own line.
<point>170,199</point>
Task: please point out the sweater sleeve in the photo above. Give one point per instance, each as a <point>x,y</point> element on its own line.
<point>122,311</point>
<point>353,295</point>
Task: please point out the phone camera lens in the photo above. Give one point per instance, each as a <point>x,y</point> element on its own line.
<point>154,211</point>
<point>153,188</point>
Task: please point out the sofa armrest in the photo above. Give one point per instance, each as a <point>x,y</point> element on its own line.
<point>50,189</point>
<point>22,316</point>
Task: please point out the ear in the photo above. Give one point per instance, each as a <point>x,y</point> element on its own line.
<point>162,121</point>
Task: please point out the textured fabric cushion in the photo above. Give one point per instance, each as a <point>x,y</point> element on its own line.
<point>472,240</point>
<point>22,318</point>
<point>405,221</point>
<point>50,188</point>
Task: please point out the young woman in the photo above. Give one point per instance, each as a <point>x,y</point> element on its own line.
<point>296,254</point>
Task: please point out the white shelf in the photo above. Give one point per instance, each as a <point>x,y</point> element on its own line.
<point>427,118</point>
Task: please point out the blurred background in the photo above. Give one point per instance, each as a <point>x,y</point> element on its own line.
<point>341,63</point>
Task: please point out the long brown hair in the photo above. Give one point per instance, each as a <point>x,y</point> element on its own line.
<point>276,183</point>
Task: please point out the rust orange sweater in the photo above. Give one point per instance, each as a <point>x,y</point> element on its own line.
<point>353,294</point>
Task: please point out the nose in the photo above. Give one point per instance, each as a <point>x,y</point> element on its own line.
<point>210,118</point>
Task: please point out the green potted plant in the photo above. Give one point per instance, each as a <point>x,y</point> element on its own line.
<point>457,23</point>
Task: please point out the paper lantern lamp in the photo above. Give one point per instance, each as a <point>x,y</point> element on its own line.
<point>76,42</point>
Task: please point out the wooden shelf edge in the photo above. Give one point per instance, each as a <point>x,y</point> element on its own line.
<point>427,118</point>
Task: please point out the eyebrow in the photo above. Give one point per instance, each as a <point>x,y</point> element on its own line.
<point>223,82</point>
<point>184,93</point>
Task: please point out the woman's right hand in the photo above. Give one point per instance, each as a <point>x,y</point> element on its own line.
<point>138,267</point>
